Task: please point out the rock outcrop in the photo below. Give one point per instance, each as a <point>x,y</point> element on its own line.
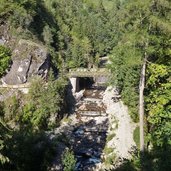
<point>29,59</point>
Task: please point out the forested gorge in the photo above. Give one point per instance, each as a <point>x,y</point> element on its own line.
<point>77,33</point>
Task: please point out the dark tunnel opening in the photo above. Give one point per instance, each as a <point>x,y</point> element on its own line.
<point>86,83</point>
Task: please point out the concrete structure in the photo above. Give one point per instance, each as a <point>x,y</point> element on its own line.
<point>83,72</point>
<point>74,83</point>
<point>99,75</point>
<point>16,86</point>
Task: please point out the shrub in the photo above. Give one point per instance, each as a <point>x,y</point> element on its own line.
<point>5,59</point>
<point>68,160</point>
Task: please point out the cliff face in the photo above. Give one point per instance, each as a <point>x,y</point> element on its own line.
<point>28,59</point>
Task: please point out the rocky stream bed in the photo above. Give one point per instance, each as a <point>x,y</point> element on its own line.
<point>89,138</point>
<point>87,129</point>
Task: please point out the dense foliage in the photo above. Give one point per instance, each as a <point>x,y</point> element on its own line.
<point>84,33</point>
<point>78,30</point>
<point>68,160</point>
<point>24,120</point>
<point>158,103</point>
<point>4,135</point>
<point>5,59</point>
<point>44,103</point>
<point>77,34</point>
<point>144,28</point>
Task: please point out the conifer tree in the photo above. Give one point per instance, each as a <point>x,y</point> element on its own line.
<point>144,31</point>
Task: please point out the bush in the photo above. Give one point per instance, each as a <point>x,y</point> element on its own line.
<point>5,59</point>
<point>110,137</point>
<point>68,160</point>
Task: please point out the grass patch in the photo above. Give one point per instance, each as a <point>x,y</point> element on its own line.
<point>66,120</point>
<point>108,150</point>
<point>110,160</point>
<point>110,137</point>
<point>137,136</point>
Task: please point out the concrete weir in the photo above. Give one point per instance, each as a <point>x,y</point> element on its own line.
<point>83,78</point>
<point>79,83</point>
<point>74,83</point>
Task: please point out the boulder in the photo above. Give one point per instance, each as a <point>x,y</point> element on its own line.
<point>28,59</point>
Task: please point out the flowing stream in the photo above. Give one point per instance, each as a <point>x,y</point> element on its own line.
<point>89,138</point>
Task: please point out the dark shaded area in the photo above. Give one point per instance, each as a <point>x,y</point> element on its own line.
<point>158,159</point>
<point>43,18</point>
<point>103,63</point>
<point>85,82</point>
<point>28,151</point>
<point>54,69</point>
<point>45,67</point>
<point>69,99</point>
<point>89,140</point>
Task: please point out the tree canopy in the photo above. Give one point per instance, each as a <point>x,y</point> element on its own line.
<point>77,34</point>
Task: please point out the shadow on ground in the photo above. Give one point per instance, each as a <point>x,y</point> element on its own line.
<point>158,159</point>
<point>88,141</point>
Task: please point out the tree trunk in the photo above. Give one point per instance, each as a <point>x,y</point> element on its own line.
<point>141,104</point>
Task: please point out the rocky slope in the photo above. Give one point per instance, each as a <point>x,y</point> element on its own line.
<point>28,58</point>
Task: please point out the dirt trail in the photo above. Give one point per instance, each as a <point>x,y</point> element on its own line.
<point>123,141</point>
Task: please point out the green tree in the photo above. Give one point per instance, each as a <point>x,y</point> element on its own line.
<point>158,104</point>
<point>37,111</point>
<point>5,59</point>
<point>83,31</point>
<point>68,160</point>
<point>143,27</point>
<point>4,136</point>
<point>47,35</point>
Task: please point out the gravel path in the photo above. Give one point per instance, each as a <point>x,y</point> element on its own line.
<point>123,141</point>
